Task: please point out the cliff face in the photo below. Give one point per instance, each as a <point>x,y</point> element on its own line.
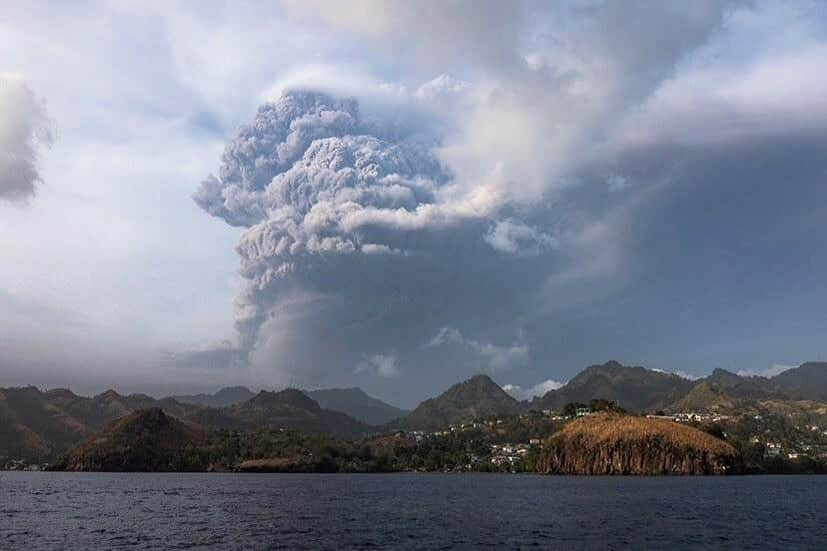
<point>625,445</point>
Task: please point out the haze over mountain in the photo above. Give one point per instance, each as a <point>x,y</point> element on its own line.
<point>352,401</point>
<point>808,381</point>
<point>356,403</point>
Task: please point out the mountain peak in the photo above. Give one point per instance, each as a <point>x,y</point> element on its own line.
<point>634,387</point>
<point>144,440</point>
<point>109,395</point>
<point>289,397</point>
<point>471,399</point>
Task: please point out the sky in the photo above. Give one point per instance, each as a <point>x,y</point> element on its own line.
<point>398,195</point>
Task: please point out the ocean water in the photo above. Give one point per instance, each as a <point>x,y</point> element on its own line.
<point>408,511</point>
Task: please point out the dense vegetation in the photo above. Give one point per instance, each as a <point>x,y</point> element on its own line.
<point>475,398</point>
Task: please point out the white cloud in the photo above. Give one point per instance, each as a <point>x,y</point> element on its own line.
<point>384,365</point>
<point>772,371</point>
<point>540,389</point>
<point>777,94</point>
<point>529,119</point>
<point>492,357</point>
<point>511,236</point>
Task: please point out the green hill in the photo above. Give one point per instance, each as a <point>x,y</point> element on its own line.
<point>475,398</point>
<point>703,397</point>
<point>635,388</point>
<point>143,441</point>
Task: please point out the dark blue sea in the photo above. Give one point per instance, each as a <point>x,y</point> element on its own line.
<point>408,511</point>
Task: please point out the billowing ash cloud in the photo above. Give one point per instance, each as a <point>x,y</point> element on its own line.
<point>23,126</point>
<point>352,245</point>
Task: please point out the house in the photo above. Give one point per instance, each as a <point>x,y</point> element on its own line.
<point>583,412</point>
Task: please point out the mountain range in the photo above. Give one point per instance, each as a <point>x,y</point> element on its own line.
<point>352,401</point>
<point>227,396</point>
<point>38,424</point>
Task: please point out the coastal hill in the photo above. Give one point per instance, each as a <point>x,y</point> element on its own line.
<point>626,445</point>
<point>474,398</point>
<point>146,440</point>
<point>356,403</point>
<point>635,388</point>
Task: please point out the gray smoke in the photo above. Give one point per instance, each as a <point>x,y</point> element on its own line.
<point>23,127</point>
